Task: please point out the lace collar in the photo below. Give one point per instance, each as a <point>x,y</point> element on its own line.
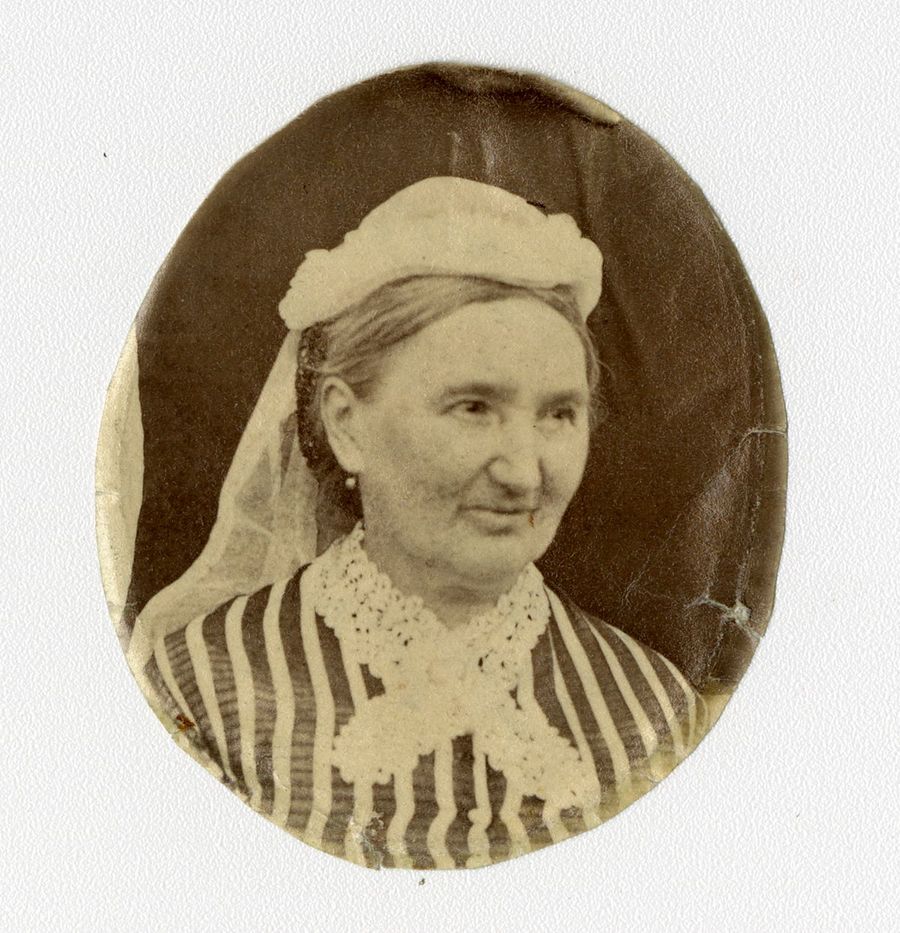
<point>441,683</point>
<point>389,631</point>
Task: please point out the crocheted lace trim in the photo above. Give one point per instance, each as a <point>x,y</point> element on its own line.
<point>442,683</point>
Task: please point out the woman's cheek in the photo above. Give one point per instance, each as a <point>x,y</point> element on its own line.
<point>442,433</point>
<point>569,459</point>
<point>427,449</point>
<point>404,435</point>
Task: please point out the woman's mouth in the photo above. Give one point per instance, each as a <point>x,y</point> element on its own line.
<point>500,519</point>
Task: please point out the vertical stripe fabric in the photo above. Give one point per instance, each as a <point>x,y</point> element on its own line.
<point>261,688</point>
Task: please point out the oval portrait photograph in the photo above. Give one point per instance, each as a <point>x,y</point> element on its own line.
<point>441,482</point>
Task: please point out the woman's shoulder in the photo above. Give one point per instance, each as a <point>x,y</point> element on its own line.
<point>236,627</point>
<point>642,681</point>
<point>599,628</point>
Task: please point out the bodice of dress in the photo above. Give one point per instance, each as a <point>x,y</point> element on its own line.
<point>347,713</point>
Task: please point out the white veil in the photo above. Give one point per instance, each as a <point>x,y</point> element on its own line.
<point>266,523</point>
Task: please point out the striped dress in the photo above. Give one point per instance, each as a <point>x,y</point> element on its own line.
<point>260,689</point>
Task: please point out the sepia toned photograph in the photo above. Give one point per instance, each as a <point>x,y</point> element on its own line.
<point>449,467</point>
<point>441,483</point>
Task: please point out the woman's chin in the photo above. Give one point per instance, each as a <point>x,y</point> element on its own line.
<point>501,546</point>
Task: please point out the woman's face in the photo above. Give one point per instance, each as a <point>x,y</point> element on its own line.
<point>474,440</point>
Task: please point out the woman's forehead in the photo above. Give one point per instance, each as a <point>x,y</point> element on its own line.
<point>506,343</point>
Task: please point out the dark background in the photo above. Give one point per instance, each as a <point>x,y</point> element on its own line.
<point>682,503</point>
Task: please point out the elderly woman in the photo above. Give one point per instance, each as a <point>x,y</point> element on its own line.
<point>413,693</point>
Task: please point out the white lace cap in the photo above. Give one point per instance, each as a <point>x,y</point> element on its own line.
<point>445,226</point>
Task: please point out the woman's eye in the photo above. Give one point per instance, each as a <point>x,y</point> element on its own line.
<point>472,407</point>
<point>566,413</point>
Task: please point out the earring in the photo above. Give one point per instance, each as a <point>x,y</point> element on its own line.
<point>350,482</point>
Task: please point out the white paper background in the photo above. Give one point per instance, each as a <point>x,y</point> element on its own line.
<point>115,123</point>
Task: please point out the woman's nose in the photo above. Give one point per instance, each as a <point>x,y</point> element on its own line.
<point>517,461</point>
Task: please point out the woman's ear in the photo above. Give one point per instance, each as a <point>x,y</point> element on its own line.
<point>340,412</point>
